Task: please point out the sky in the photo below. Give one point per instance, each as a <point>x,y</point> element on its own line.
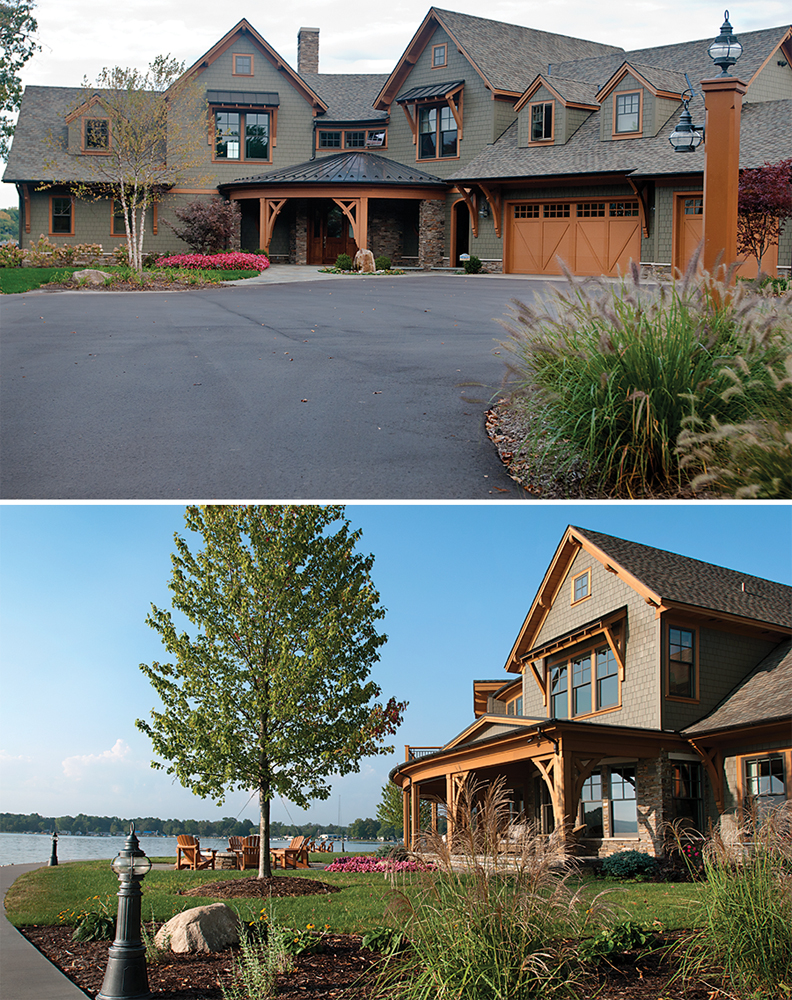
<point>78,37</point>
<point>77,581</point>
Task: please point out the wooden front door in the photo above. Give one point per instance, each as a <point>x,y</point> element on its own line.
<point>329,233</point>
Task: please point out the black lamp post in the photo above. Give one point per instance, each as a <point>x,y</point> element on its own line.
<point>54,856</point>
<point>686,138</point>
<point>725,50</point>
<point>126,977</point>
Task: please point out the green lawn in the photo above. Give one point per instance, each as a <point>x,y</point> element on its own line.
<point>40,896</point>
<point>25,279</point>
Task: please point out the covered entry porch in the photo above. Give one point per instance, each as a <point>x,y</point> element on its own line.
<point>311,213</point>
<point>602,788</point>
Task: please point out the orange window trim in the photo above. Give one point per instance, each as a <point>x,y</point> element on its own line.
<point>587,595</point>
<point>344,131</point>
<point>212,136</point>
<point>444,63</point>
<point>599,643</point>
<point>742,793</point>
<point>456,111</point>
<point>667,662</point>
<point>71,214</point>
<point>243,55</point>
<point>639,130</point>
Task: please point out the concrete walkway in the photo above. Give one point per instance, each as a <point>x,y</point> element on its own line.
<point>24,972</point>
<point>278,274</point>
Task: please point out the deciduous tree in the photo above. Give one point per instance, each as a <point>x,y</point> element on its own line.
<point>765,202</point>
<point>208,226</point>
<point>17,44</point>
<point>271,691</point>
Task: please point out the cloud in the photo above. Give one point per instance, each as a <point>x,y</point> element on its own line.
<point>74,767</point>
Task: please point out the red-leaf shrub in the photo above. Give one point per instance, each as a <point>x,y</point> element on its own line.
<point>369,865</point>
<point>209,224</point>
<point>234,261</point>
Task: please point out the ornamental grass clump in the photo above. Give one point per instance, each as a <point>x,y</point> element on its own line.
<point>747,898</point>
<point>612,371</point>
<point>497,918</point>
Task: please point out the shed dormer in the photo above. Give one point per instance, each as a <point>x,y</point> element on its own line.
<point>552,109</point>
<point>638,100</point>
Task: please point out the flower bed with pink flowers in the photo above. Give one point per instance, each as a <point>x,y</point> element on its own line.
<point>235,261</point>
<point>374,865</point>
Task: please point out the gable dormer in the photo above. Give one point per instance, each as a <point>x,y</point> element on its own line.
<point>551,110</point>
<point>89,129</point>
<point>638,100</point>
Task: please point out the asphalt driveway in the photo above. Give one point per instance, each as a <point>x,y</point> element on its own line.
<point>345,389</point>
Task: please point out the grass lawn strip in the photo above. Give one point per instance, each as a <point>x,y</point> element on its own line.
<point>27,279</point>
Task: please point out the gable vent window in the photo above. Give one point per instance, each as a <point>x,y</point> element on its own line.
<point>628,112</point>
<point>97,134</point>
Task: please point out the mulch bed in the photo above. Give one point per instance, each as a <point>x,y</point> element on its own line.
<point>151,284</point>
<point>281,885</point>
<point>344,971</point>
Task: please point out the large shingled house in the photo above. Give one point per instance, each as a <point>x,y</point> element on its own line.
<point>647,689</point>
<point>517,145</point>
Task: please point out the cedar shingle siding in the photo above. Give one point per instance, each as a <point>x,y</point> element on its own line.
<point>498,64</point>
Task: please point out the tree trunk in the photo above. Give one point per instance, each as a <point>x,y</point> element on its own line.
<point>265,868</point>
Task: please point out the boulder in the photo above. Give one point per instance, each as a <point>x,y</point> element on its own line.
<point>91,276</point>
<point>364,261</point>
<point>204,928</point>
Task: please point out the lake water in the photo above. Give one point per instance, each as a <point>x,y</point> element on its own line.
<point>28,848</point>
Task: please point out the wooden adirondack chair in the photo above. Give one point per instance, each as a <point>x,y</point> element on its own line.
<point>250,851</point>
<point>293,856</point>
<point>189,854</point>
<point>236,846</point>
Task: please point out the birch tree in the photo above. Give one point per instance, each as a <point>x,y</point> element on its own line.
<point>271,691</point>
<point>155,136</point>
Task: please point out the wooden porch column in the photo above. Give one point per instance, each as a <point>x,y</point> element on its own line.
<point>434,817</point>
<point>450,807</point>
<point>406,815</point>
<point>415,817</point>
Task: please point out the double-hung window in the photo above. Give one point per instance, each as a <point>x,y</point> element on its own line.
<point>583,682</point>
<point>627,113</point>
<point>681,656</point>
<point>242,135</point>
<point>61,215</point>
<point>437,132</point>
<point>765,782</point>
<point>623,801</point>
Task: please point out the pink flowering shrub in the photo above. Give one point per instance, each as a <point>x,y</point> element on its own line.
<point>233,261</point>
<point>375,865</point>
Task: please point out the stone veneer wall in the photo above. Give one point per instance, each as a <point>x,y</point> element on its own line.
<point>301,234</point>
<point>385,225</point>
<point>431,233</point>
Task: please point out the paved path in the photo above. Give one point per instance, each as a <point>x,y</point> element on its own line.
<point>24,972</point>
<point>292,386</point>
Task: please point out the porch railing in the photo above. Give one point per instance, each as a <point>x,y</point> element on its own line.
<point>413,753</point>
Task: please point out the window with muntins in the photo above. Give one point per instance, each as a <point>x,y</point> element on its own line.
<point>595,683</point>
<point>686,800</point>
<point>624,812</point>
<point>61,220</point>
<point>242,135</point>
<point>541,122</point>
<point>681,662</point>
<point>765,782</point>
<point>591,806</point>
<point>439,57</point>
<point>515,707</point>
<point>437,132</point>
<point>581,586</point>
<point>97,134</point>
<point>628,113</point>
<point>350,138</point>
<point>243,65</point>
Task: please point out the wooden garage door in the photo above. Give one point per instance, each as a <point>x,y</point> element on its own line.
<point>592,237</point>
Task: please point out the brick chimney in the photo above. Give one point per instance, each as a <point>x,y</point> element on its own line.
<point>308,50</point>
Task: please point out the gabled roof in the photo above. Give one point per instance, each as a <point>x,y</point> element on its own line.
<point>662,578</point>
<point>665,82</point>
<point>504,55</point>
<point>351,167</point>
<point>241,29</point>
<point>685,57</point>
<point>764,696</point>
<point>570,92</point>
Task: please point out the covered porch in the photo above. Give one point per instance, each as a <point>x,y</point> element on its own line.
<point>311,213</point>
<point>602,788</point>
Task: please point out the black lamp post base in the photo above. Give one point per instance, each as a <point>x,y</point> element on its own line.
<point>126,977</point>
